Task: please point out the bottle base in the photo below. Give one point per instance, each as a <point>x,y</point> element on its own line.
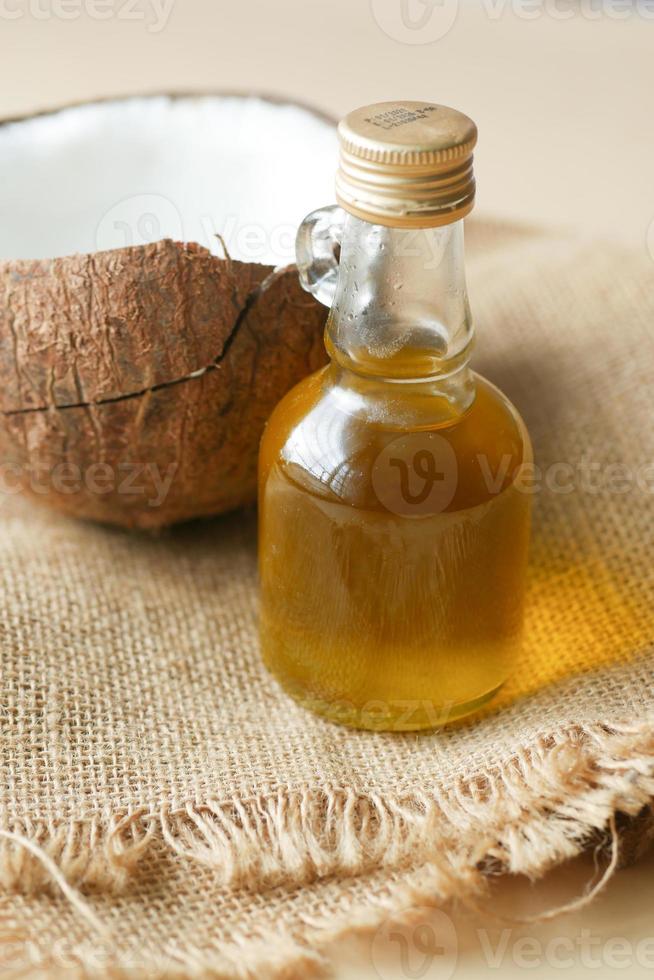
<point>393,716</point>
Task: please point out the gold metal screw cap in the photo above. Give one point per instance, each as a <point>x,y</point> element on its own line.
<point>406,164</point>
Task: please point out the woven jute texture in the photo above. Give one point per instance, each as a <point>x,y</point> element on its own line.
<point>165,810</point>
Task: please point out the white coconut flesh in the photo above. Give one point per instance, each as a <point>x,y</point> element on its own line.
<point>132,171</point>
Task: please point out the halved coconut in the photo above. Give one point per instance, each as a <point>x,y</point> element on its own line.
<point>148,318</point>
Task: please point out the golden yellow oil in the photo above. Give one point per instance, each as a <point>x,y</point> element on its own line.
<point>392,549</point>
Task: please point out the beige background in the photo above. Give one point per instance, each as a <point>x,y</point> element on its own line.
<point>566,138</point>
<point>562,104</point>
<point>612,938</point>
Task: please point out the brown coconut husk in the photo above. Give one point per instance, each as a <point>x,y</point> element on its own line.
<point>135,383</point>
<point>142,401</point>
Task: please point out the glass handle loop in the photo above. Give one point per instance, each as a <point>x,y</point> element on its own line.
<point>317,251</point>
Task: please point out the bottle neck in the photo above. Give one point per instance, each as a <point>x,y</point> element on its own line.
<point>400,311</point>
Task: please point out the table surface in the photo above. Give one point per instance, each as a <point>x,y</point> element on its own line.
<point>611,937</point>
<point>562,105</point>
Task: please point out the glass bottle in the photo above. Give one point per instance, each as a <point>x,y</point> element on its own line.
<point>393,522</point>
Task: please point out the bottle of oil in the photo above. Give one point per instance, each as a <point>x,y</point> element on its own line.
<point>393,522</point>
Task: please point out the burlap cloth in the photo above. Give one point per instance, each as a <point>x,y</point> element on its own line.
<point>204,825</point>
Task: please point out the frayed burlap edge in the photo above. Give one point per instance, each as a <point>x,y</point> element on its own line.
<point>542,807</point>
<point>523,816</point>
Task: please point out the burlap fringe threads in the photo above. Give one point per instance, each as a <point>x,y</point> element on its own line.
<point>538,809</point>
